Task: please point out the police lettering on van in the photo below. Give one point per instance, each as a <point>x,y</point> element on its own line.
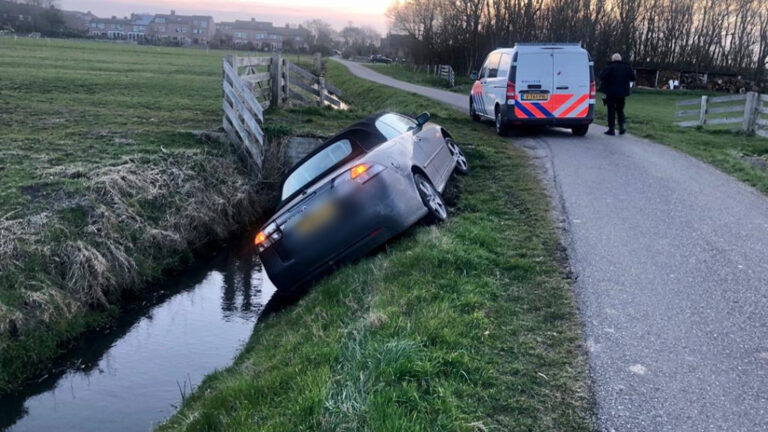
<point>536,84</point>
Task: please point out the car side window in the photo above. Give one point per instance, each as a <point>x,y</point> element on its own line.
<point>393,125</point>
<point>493,66</point>
<point>504,65</point>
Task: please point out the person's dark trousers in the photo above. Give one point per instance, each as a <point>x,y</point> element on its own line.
<point>615,107</point>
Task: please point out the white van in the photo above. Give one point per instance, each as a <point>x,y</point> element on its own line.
<point>536,84</point>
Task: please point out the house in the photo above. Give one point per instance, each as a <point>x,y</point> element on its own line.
<point>139,26</point>
<point>182,29</point>
<point>110,28</point>
<point>133,28</point>
<point>397,46</point>
<point>263,35</point>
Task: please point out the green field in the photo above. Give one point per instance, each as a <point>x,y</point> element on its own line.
<point>469,325</point>
<point>104,184</point>
<point>651,114</point>
<point>465,326</point>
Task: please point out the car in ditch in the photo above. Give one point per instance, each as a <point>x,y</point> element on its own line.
<point>354,192</point>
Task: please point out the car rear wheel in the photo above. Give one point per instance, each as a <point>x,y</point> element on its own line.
<point>580,130</point>
<point>462,166</point>
<point>433,201</point>
<point>501,127</point>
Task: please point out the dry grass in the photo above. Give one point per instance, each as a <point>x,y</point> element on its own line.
<point>135,220</point>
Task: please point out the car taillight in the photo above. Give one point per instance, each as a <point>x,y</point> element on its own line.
<point>361,173</point>
<point>592,90</point>
<point>511,92</point>
<point>268,236</point>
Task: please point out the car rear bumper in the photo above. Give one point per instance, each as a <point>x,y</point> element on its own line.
<point>376,212</point>
<point>509,117</point>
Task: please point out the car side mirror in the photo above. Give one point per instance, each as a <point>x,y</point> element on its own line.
<point>473,75</point>
<point>422,119</point>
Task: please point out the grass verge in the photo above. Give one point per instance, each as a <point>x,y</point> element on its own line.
<point>104,184</point>
<point>407,73</point>
<point>466,326</point>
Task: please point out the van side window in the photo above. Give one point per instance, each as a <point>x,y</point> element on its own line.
<point>484,69</point>
<point>504,64</point>
<point>493,65</point>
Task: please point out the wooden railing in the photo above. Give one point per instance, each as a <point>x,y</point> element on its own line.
<point>750,110</point>
<point>252,84</point>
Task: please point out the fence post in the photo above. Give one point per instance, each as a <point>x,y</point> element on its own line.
<point>321,88</point>
<point>750,113</point>
<point>703,111</point>
<point>275,73</point>
<point>286,74</point>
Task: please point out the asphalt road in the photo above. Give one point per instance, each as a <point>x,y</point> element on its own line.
<point>671,260</point>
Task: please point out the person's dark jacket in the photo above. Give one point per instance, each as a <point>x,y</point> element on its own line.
<point>615,79</point>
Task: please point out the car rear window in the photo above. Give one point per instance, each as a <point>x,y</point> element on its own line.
<point>315,166</point>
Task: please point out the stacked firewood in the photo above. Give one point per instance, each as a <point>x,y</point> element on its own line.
<point>732,85</point>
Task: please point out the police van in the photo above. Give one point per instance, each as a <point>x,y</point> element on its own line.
<point>536,84</point>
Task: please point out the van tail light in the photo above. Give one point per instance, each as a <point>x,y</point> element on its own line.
<point>268,236</point>
<point>511,93</point>
<point>592,90</point>
<point>360,173</point>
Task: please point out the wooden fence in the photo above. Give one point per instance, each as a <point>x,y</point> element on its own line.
<point>252,84</point>
<point>446,72</point>
<point>749,110</point>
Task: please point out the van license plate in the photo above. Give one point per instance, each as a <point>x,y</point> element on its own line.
<point>535,96</point>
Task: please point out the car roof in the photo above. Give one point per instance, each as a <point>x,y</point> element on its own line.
<point>536,46</point>
<point>363,133</point>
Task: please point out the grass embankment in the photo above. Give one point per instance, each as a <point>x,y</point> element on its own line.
<point>103,184</point>
<point>651,114</point>
<point>409,74</point>
<point>465,326</point>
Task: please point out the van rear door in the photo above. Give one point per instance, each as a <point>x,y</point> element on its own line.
<point>534,82</point>
<point>570,97</point>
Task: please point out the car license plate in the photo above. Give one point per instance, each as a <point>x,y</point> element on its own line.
<point>317,218</point>
<point>535,96</point>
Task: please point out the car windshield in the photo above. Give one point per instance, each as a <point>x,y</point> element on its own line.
<point>393,125</point>
<point>315,166</point>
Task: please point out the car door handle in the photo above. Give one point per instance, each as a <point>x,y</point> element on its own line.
<point>417,139</point>
<point>562,87</point>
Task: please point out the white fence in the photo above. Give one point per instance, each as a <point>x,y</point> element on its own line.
<point>749,110</point>
<point>252,84</point>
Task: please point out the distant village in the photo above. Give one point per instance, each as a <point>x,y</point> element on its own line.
<point>200,30</point>
<point>41,17</point>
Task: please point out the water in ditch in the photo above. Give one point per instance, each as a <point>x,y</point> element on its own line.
<point>134,375</point>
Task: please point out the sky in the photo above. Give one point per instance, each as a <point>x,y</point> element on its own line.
<point>338,13</point>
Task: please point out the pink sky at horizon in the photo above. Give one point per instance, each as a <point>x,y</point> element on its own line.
<point>337,12</point>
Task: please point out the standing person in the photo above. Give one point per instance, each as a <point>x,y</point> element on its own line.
<point>614,82</point>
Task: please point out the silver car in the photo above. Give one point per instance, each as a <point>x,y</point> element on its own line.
<point>357,190</point>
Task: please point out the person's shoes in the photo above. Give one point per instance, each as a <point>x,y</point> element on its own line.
<point>622,131</point>
<point>610,132</point>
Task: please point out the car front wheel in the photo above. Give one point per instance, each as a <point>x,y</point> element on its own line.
<point>433,201</point>
<point>473,113</point>
<point>462,166</point>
